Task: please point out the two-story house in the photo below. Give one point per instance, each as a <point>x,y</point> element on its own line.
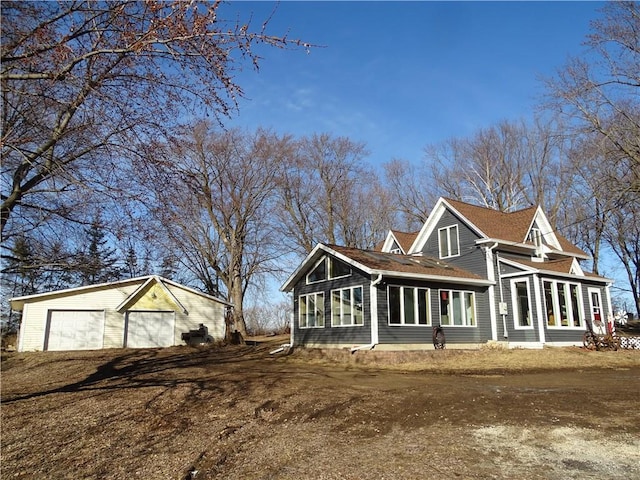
<point>480,274</point>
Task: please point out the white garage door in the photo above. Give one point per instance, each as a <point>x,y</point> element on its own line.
<point>150,329</point>
<point>75,330</point>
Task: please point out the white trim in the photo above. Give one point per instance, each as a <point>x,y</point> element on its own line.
<point>351,289</point>
<point>125,303</point>
<point>416,311</point>
<point>557,307</point>
<point>514,303</point>
<point>475,309</point>
<point>373,306</point>
<point>603,318</point>
<point>540,301</point>
<point>315,265</point>
<point>389,241</point>
<point>449,248</point>
<point>290,282</point>
<point>324,320</point>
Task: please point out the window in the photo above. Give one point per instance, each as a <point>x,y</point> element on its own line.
<point>457,308</point>
<point>311,310</point>
<point>522,306</point>
<point>448,241</point>
<point>535,237</point>
<point>338,269</point>
<point>409,306</point>
<point>562,304</point>
<point>595,303</point>
<point>334,268</point>
<point>319,272</point>
<point>346,307</point>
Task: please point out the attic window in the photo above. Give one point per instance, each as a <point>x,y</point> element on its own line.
<point>318,273</point>
<point>328,268</point>
<point>535,237</point>
<point>397,251</point>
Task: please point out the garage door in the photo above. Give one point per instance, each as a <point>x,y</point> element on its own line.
<point>150,329</point>
<point>75,330</point>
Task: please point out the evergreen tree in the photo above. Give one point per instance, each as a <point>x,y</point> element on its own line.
<point>97,264</point>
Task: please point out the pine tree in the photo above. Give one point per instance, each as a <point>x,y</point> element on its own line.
<point>97,263</point>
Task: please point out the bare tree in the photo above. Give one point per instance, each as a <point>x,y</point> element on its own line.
<point>410,187</point>
<point>214,195</point>
<point>85,82</point>
<point>600,91</point>
<point>329,194</point>
<point>508,166</point>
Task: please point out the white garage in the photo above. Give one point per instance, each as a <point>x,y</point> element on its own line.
<point>74,330</point>
<point>150,329</point>
<point>142,312</point>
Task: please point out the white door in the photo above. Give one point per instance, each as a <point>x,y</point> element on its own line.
<point>75,330</point>
<point>150,329</point>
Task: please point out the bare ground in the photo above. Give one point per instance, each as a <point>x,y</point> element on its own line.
<point>241,413</point>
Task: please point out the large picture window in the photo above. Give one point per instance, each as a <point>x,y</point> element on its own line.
<point>346,307</point>
<point>311,310</point>
<point>409,306</point>
<point>562,304</point>
<point>449,244</point>
<point>457,308</point>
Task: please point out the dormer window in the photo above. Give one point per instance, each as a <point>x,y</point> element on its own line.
<point>535,237</point>
<point>449,243</point>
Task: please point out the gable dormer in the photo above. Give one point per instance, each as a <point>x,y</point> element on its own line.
<point>542,236</point>
<point>398,242</point>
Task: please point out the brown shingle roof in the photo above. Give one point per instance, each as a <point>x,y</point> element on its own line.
<point>390,262</point>
<point>511,226</point>
<point>405,239</point>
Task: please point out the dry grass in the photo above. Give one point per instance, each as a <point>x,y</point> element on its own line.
<point>240,413</point>
<point>486,360</point>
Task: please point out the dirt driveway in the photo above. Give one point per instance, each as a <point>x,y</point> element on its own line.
<point>241,413</point>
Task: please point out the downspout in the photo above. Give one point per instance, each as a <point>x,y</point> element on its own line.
<point>373,302</point>
<point>492,301</point>
<point>504,315</point>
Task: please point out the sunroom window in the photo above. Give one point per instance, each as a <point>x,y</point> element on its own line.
<point>311,310</point>
<point>346,307</point>
<point>409,306</point>
<point>562,304</point>
<point>457,308</point>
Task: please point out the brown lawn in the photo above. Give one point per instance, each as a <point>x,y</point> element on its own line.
<point>241,413</point>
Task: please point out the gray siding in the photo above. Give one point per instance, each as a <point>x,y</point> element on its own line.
<point>515,334</point>
<point>328,335</point>
<point>471,256</point>
<point>398,334</point>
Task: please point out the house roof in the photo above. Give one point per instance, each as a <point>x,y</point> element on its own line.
<point>509,227</point>
<point>403,239</point>
<point>17,303</point>
<point>389,264</point>
<point>564,266</point>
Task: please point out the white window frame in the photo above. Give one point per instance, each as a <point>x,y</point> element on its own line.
<point>448,250</point>
<point>330,261</point>
<point>516,309</point>
<point>416,310</point>
<point>449,301</point>
<point>306,295</point>
<point>555,307</point>
<point>311,282</point>
<point>535,236</point>
<point>352,306</point>
<point>590,292</point>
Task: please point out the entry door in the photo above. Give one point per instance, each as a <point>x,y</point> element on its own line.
<point>74,330</point>
<point>150,329</point>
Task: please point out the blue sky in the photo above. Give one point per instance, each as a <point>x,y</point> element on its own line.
<point>400,75</point>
